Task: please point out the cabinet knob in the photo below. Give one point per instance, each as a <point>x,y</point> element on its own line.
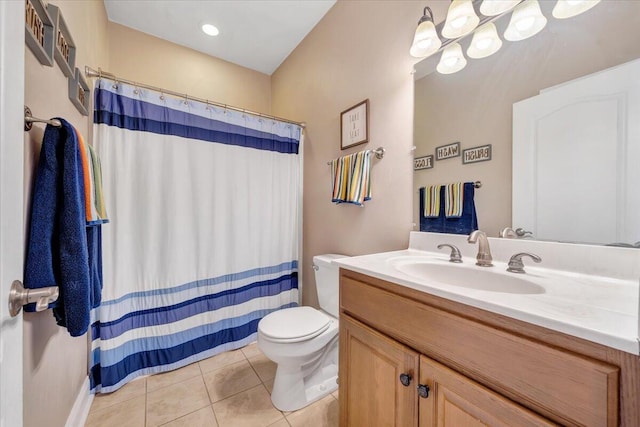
<point>405,379</point>
<point>423,390</point>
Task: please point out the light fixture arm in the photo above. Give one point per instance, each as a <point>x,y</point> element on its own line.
<point>425,17</point>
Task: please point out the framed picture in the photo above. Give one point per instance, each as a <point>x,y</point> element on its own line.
<point>79,92</point>
<point>448,151</point>
<point>65,48</point>
<point>354,125</point>
<point>424,162</point>
<point>476,154</point>
<point>39,31</point>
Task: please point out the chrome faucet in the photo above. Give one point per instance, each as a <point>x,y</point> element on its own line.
<point>510,233</point>
<point>484,254</point>
<point>517,266</point>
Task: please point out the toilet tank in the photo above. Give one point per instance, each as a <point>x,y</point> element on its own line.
<point>327,282</point>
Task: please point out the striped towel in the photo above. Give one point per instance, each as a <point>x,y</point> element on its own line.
<point>92,176</point>
<point>454,198</point>
<point>432,201</point>
<point>352,178</point>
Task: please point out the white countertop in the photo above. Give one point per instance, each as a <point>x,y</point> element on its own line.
<point>596,308</point>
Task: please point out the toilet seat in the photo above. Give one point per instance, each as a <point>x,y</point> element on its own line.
<point>295,324</point>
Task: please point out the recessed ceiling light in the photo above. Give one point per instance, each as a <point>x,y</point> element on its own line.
<point>210,30</point>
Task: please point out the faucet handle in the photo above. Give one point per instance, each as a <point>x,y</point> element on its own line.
<point>521,232</point>
<point>508,233</point>
<point>517,266</point>
<point>455,252</point>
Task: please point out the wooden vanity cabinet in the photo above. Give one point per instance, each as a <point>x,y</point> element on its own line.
<point>481,369</point>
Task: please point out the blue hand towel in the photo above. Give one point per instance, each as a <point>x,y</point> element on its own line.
<point>57,251</point>
<point>465,224</point>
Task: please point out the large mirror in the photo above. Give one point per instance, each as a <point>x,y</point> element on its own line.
<point>474,106</point>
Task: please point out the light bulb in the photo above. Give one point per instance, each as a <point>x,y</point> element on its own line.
<point>569,8</point>
<point>461,19</point>
<point>452,60</point>
<point>527,20</point>
<point>485,42</point>
<point>525,23</point>
<point>459,22</point>
<point>210,30</point>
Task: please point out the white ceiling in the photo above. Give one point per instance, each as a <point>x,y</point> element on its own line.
<point>257,34</point>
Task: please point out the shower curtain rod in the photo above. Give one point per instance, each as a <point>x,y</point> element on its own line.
<point>90,72</point>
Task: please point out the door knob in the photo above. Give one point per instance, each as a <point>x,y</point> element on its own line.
<point>423,390</point>
<point>405,379</point>
<point>19,296</point>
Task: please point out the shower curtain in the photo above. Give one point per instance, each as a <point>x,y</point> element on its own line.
<point>204,206</point>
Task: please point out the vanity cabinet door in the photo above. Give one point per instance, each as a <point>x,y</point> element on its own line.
<point>378,378</point>
<point>455,401</point>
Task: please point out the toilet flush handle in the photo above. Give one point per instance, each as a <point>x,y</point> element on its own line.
<point>315,267</point>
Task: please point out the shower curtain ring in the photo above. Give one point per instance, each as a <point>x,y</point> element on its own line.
<point>135,90</point>
<point>186,99</point>
<point>161,96</point>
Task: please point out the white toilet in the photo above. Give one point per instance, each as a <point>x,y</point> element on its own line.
<point>303,341</point>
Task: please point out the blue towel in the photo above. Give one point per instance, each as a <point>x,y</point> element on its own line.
<point>465,224</point>
<point>57,250</point>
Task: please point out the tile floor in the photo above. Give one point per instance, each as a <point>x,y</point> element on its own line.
<point>227,390</point>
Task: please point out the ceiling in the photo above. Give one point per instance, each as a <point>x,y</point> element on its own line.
<point>257,34</point>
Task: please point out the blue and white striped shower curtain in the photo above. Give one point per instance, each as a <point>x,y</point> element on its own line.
<point>203,241</point>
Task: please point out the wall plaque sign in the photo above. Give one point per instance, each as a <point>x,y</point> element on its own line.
<point>425,162</point>
<point>448,151</point>
<point>476,154</point>
<point>65,48</point>
<point>79,92</point>
<point>38,27</point>
<point>354,125</point>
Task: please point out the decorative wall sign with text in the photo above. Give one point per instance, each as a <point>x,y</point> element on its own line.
<point>39,32</point>
<point>425,162</point>
<point>79,92</point>
<point>476,154</point>
<point>448,151</point>
<point>65,48</point>
<point>354,125</point>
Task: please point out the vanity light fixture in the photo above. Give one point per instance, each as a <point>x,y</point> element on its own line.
<point>426,41</point>
<point>461,19</point>
<point>210,30</point>
<point>527,20</point>
<point>452,59</point>
<point>569,8</point>
<point>485,42</point>
<point>497,7</point>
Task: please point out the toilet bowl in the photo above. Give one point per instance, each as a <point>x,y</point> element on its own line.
<point>303,342</point>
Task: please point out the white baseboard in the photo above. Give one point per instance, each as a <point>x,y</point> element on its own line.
<point>80,410</point>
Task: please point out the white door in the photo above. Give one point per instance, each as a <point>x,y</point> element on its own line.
<point>11,205</point>
<point>576,159</point>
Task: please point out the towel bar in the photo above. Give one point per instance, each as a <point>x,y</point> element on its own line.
<point>379,152</point>
<point>476,184</point>
<point>29,120</point>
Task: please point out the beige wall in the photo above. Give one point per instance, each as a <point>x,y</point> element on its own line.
<point>55,364</point>
<point>358,50</point>
<point>140,57</point>
<point>474,106</point>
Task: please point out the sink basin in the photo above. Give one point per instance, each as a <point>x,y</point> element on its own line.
<point>471,277</point>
